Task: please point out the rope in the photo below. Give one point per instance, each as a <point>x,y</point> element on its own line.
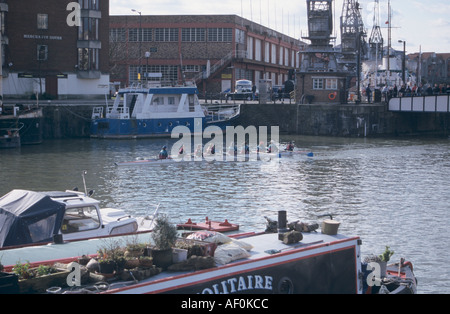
<point>77,115</point>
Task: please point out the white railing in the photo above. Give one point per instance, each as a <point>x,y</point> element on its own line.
<point>119,113</point>
<point>221,112</point>
<point>97,113</point>
<point>436,103</point>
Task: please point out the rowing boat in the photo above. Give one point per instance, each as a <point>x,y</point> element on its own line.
<point>155,161</point>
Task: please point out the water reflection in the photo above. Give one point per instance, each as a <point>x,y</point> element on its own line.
<point>388,191</point>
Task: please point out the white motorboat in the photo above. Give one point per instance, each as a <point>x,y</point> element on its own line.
<point>31,218</point>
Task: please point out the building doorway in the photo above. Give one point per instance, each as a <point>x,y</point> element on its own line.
<point>51,86</point>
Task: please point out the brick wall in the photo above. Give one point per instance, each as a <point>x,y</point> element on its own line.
<point>61,39</point>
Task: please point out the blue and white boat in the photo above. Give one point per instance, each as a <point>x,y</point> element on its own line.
<point>154,112</point>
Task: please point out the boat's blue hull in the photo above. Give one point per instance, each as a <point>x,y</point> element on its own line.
<point>148,128</point>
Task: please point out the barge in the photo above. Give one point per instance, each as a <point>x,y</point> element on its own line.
<point>324,262</point>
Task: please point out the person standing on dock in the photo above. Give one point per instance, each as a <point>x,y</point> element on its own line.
<point>368,93</point>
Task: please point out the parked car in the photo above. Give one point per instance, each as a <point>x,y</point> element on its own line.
<point>241,95</point>
<point>243,91</point>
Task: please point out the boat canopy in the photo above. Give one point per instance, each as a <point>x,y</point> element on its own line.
<point>29,217</point>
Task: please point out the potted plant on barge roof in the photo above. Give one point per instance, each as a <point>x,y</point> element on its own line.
<point>164,236</point>
<point>111,257</point>
<point>382,260</point>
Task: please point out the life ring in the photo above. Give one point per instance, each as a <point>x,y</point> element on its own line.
<point>332,96</point>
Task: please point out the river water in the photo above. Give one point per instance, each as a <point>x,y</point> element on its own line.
<point>391,192</point>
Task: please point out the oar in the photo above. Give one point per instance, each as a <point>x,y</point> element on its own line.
<point>308,154</point>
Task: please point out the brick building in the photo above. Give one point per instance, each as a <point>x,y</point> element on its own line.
<point>55,48</point>
<point>213,50</point>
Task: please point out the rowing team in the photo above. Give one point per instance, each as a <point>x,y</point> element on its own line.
<point>232,150</point>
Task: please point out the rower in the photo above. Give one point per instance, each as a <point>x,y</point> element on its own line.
<point>198,151</point>
<point>212,149</point>
<point>272,147</point>
<point>163,153</point>
<point>232,149</point>
<point>290,147</point>
<point>260,147</point>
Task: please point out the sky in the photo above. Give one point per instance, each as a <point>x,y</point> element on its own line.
<point>423,24</point>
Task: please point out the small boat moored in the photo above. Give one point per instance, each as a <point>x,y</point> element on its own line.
<point>33,218</point>
<point>211,225</point>
<point>10,138</point>
<point>139,112</point>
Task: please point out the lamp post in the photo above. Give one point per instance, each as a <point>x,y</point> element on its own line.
<point>403,61</point>
<point>147,56</point>
<point>140,41</point>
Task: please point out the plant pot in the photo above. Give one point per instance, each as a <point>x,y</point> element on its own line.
<point>162,258</point>
<point>132,263</point>
<point>146,262</point>
<point>179,255</point>
<point>383,269</point>
<point>9,283</point>
<point>41,284</point>
<point>330,227</point>
<point>106,267</point>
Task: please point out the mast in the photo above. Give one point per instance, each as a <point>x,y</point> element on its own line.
<point>376,38</point>
<point>389,41</point>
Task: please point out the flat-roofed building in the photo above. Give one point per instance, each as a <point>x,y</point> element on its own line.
<point>57,48</point>
<point>213,50</point>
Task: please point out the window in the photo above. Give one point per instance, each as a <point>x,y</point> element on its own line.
<point>2,22</point>
<point>147,34</point>
<point>43,229</point>
<point>133,34</point>
<point>42,52</point>
<point>317,83</point>
<point>89,4</point>
<point>325,83</point>
<point>240,36</point>
<point>87,59</point>
<point>88,29</point>
<point>117,35</point>
<point>191,68</point>
<point>166,34</point>
<point>42,21</point>
<point>220,34</point>
<point>331,84</point>
<point>193,34</point>
<point>137,34</point>
<point>80,219</point>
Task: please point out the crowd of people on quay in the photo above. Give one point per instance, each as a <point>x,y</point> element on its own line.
<point>406,90</point>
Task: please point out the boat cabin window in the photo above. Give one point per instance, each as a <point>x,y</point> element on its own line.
<point>80,219</point>
<point>158,101</point>
<point>40,230</point>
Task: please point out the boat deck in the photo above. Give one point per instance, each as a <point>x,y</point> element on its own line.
<point>267,250</point>
<point>264,244</point>
<point>268,244</point>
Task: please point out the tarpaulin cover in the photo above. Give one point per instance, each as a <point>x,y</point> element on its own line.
<point>28,217</point>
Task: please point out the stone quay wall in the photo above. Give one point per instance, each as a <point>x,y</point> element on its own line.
<point>72,120</point>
